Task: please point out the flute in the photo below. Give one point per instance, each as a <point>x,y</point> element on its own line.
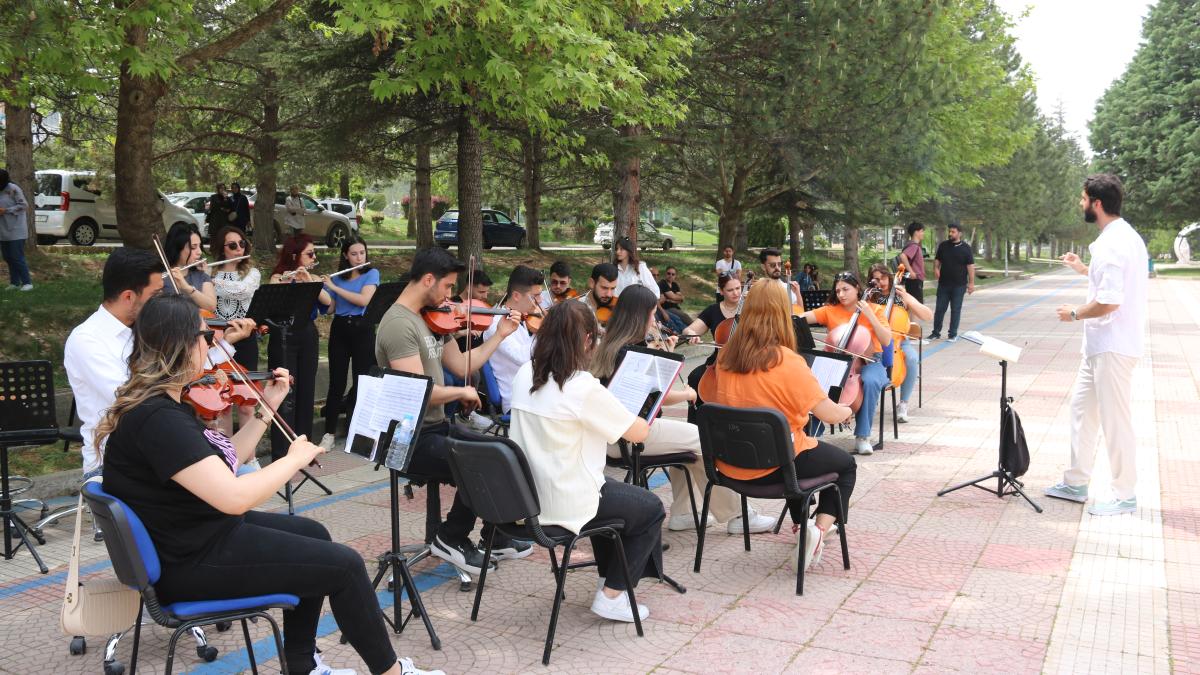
<point>348,269</point>
<point>188,267</point>
<point>291,273</point>
<point>230,260</point>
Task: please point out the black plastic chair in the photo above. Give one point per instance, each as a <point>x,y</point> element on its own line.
<point>494,478</point>
<point>136,563</point>
<point>639,467</point>
<point>759,438</point>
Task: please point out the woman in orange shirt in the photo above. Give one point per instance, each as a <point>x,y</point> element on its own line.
<point>759,368</point>
<point>846,298</point>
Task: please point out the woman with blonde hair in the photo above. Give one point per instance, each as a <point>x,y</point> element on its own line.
<point>759,368</point>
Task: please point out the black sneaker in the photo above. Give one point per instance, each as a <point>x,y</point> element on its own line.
<point>505,547</point>
<point>934,336</point>
<point>462,555</point>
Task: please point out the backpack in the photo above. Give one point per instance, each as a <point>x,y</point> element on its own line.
<point>1014,451</point>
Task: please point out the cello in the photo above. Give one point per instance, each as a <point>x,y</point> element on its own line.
<point>849,339</point>
<point>899,365</point>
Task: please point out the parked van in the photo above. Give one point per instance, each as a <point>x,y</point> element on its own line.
<point>68,205</point>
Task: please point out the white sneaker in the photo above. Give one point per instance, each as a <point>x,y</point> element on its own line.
<point>862,446</point>
<point>812,545</point>
<point>902,412</point>
<point>617,609</point>
<point>758,523</point>
<point>324,669</point>
<point>479,422</point>
<point>327,442</point>
<point>27,287</point>
<point>684,521</point>
<point>407,668</point>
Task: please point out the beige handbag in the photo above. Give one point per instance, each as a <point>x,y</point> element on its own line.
<point>102,606</point>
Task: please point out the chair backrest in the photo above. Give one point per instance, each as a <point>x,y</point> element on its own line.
<point>27,399</point>
<point>134,558</point>
<point>749,438</point>
<point>494,479</point>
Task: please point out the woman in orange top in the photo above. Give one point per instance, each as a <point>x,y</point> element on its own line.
<point>845,299</point>
<point>900,322</point>
<point>759,368</point>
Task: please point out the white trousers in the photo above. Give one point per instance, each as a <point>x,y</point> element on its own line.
<point>1102,400</point>
<point>669,436</point>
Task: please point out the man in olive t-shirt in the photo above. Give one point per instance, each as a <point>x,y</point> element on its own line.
<point>402,333</point>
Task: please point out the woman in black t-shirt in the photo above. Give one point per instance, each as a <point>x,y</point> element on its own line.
<point>180,478</point>
<point>714,314</point>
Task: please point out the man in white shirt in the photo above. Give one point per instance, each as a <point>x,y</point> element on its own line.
<point>524,289</point>
<point>727,266</point>
<point>1114,327</point>
<point>559,286</point>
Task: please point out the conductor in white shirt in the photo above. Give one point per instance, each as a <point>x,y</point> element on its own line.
<point>1114,328</point>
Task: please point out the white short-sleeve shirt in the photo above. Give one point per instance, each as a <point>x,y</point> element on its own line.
<point>1117,275</point>
<point>565,434</point>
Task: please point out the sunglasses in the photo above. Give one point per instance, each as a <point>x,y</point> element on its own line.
<point>845,276</point>
<point>207,335</point>
<point>309,254</point>
<point>235,245</point>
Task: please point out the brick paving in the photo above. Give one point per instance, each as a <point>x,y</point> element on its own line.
<point>965,582</point>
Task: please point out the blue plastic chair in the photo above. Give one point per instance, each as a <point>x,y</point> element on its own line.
<point>136,564</point>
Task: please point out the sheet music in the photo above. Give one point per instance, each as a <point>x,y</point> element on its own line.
<point>383,400</point>
<point>641,374</point>
<point>829,372</point>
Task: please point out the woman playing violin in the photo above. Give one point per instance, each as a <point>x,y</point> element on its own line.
<point>759,368</point>
<point>180,479</point>
<point>714,314</point>
<point>351,337</point>
<point>182,248</point>
<point>899,324</point>
<point>632,323</point>
<point>296,258</point>
<point>844,301</point>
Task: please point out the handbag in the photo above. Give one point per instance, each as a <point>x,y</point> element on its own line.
<point>1014,450</point>
<point>102,606</point>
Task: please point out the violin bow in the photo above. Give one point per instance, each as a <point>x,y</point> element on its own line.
<point>471,289</point>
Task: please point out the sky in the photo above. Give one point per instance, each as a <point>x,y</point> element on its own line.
<point>1076,49</point>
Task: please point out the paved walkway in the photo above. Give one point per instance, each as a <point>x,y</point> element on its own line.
<point>965,582</point>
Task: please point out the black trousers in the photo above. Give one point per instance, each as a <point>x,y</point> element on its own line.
<point>915,288</point>
<point>431,457</point>
<point>643,514</point>
<point>276,553</point>
<point>245,352</point>
<point>351,341</point>
<point>301,362</point>
<point>824,458</point>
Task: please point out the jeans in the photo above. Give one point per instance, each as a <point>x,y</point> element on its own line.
<point>874,379</point>
<point>14,256</point>
<point>276,553</point>
<point>952,296</point>
<point>824,458</point>
<point>351,340</point>
<point>642,512</point>
<point>431,457</point>
<point>913,365</point>
<point>301,362</point>
<point>916,288</point>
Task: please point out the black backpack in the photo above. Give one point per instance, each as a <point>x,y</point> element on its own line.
<point>1014,451</point>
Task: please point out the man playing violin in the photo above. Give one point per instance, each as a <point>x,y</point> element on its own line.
<point>524,290</point>
<point>404,342</point>
<point>601,297</point>
<point>559,288</point>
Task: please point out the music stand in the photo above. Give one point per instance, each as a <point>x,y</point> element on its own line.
<point>385,296</point>
<point>27,417</point>
<point>281,306</point>
<point>814,299</point>
<point>1006,483</point>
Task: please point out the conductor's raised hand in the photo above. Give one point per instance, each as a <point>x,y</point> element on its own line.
<point>1074,262</point>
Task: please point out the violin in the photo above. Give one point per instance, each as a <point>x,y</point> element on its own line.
<point>449,319</point>
<point>604,312</point>
<point>571,294</point>
<point>218,389</point>
<point>222,324</point>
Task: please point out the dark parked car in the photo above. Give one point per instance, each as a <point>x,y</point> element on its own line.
<point>498,230</point>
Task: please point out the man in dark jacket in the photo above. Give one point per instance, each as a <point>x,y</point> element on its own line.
<point>241,207</point>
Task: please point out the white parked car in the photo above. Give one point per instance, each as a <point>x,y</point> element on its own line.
<point>68,205</point>
<point>320,223</point>
<point>196,204</point>
<point>344,207</point>
<point>648,236</point>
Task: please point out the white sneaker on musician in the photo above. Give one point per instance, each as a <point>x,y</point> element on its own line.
<point>902,412</point>
<point>407,668</point>
<point>27,287</point>
<point>758,523</point>
<point>617,609</point>
<point>479,422</point>
<point>813,545</point>
<point>321,668</point>
<point>685,521</point>
<point>862,446</point>
<point>327,442</point>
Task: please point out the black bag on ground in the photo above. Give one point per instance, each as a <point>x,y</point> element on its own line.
<point>1014,451</point>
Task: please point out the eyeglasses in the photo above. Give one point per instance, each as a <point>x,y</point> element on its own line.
<point>235,245</point>
<point>207,335</point>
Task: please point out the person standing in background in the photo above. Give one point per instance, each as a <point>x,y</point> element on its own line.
<point>240,206</point>
<point>727,266</point>
<point>913,259</point>
<point>294,211</point>
<point>219,210</point>
<point>954,267</point>
<point>13,231</point>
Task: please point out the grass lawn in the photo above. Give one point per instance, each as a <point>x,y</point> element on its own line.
<point>683,236</point>
<point>1181,272</point>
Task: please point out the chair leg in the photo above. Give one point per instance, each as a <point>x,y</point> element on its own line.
<point>920,373</point>
<point>882,393</point>
<point>692,498</point>
<point>779,520</point>
<point>170,646</point>
<point>249,647</point>
<point>701,532</point>
<point>487,555</point>
<point>560,580</point>
<point>803,533</point>
<point>895,422</point>
<point>137,638</point>
<point>637,616</point>
<point>278,641</point>
<point>745,522</point>
<point>842,528</point>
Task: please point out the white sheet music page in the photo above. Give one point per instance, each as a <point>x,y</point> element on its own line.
<point>366,419</point>
<point>829,372</point>
<point>639,375</point>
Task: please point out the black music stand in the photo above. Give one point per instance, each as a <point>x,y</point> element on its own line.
<point>27,417</point>
<point>1006,483</point>
<point>814,299</point>
<point>385,296</point>
<point>281,306</point>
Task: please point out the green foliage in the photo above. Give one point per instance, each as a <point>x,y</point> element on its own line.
<point>1146,127</point>
<point>766,231</point>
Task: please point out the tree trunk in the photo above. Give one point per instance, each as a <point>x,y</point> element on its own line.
<point>806,227</point>
<point>139,212</point>
<point>344,185</point>
<point>533,182</point>
<point>470,189</point>
<point>627,202</point>
<point>266,168</point>
<point>18,159</point>
<point>728,227</point>
<point>422,205</point>
<point>850,250</point>
<point>741,233</point>
<point>410,213</point>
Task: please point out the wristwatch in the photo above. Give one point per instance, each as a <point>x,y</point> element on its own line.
<point>1074,316</point>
